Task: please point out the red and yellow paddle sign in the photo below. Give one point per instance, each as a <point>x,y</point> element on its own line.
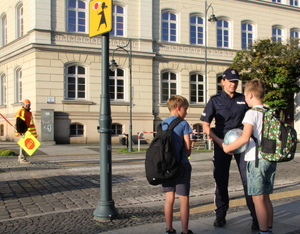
<point>29,143</point>
<point>100,17</point>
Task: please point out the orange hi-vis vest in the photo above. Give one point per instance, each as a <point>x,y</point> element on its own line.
<point>27,117</point>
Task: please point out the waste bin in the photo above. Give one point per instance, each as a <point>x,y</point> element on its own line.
<point>123,140</point>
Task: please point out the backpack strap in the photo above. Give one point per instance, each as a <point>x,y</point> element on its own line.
<point>254,138</point>
<point>171,126</point>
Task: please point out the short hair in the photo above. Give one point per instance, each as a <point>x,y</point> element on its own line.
<point>255,86</point>
<point>177,100</point>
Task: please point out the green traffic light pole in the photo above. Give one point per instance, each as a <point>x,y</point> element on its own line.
<point>105,209</point>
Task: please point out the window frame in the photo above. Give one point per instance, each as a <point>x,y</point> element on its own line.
<point>170,26</point>
<point>3,30</point>
<point>77,134</point>
<point>116,129</point>
<point>77,17</point>
<point>198,26</point>
<point>116,16</point>
<point>197,83</point>
<point>18,85</point>
<point>295,31</point>
<point>169,83</point>
<point>19,20</point>
<point>276,37</point>
<point>3,89</point>
<point>225,33</point>
<point>247,44</point>
<point>294,3</point>
<point>117,78</point>
<point>76,83</point>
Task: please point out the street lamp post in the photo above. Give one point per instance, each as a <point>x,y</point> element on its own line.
<point>113,65</point>
<point>212,19</point>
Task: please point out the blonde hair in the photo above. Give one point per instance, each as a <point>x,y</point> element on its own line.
<point>177,100</point>
<point>256,87</point>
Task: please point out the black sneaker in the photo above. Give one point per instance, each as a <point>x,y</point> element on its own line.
<point>169,232</point>
<point>220,222</point>
<point>254,225</point>
<point>189,232</point>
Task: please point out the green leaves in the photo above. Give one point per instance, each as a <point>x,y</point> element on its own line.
<point>276,64</point>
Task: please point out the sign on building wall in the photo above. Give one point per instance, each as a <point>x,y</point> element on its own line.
<point>100,17</point>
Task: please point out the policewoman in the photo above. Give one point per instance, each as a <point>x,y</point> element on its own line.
<point>227,108</point>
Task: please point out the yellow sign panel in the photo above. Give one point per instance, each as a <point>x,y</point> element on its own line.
<point>100,17</point>
<point>29,143</point>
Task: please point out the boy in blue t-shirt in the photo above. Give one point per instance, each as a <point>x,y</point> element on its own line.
<point>178,106</point>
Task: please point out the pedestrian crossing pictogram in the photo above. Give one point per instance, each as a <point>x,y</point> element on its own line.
<point>100,17</point>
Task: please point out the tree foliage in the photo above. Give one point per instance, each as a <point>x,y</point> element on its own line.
<point>276,64</point>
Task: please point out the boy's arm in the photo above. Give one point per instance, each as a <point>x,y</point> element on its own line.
<point>187,142</point>
<point>207,129</point>
<point>243,139</point>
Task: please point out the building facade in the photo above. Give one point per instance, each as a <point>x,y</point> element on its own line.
<point>47,56</point>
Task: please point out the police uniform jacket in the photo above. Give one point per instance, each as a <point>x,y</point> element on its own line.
<point>228,112</point>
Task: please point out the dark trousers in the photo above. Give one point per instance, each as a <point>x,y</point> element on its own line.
<point>222,162</point>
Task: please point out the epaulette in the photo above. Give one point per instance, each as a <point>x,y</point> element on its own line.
<point>215,95</point>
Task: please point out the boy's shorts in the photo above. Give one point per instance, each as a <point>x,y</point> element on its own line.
<point>180,186</point>
<point>260,180</point>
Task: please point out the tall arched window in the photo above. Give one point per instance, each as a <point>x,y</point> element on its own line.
<point>20,20</point>
<point>18,85</point>
<point>76,16</point>
<point>196,30</point>
<point>277,33</point>
<point>3,89</point>
<point>168,85</point>
<point>4,30</point>
<point>222,33</point>
<point>168,26</point>
<point>197,88</point>
<point>116,84</point>
<point>118,21</point>
<point>247,35</point>
<point>75,82</point>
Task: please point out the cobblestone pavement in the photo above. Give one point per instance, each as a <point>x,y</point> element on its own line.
<point>59,193</point>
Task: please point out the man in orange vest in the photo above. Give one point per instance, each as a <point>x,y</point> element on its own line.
<point>24,123</point>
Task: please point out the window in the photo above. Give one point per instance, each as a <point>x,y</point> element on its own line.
<point>118,21</point>
<point>278,1</point>
<point>116,129</point>
<point>276,33</point>
<point>75,82</point>
<point>294,2</point>
<point>247,35</point>
<point>76,16</point>
<point>219,83</point>
<point>76,130</point>
<point>169,85</point>
<point>196,30</point>
<point>20,23</point>
<point>1,130</point>
<point>168,27</point>
<point>222,33</point>
<point>4,30</point>
<point>294,34</point>
<point>18,85</point>
<point>116,84</point>
<point>3,90</point>
<point>197,88</point>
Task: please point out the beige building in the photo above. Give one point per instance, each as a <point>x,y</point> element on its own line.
<point>47,56</point>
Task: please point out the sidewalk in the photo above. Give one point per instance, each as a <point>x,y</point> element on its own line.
<point>46,198</point>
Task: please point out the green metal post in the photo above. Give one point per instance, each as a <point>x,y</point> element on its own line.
<point>106,206</point>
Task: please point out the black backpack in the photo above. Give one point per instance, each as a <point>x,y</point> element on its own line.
<point>161,164</point>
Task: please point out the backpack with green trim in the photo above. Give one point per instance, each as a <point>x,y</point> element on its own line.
<point>279,139</point>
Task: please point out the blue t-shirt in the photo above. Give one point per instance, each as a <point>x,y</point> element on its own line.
<point>179,131</point>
